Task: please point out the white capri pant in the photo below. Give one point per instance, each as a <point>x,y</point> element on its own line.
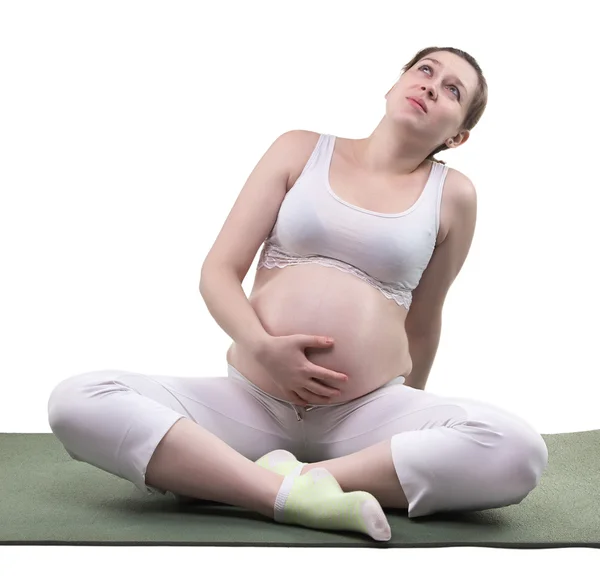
<point>449,453</point>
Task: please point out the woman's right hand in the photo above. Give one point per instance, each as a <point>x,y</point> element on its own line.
<point>284,359</point>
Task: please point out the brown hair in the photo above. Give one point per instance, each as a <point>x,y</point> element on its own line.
<point>479,101</point>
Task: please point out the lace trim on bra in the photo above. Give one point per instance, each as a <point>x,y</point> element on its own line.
<point>274,256</point>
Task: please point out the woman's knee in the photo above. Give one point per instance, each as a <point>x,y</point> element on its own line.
<point>65,398</point>
<point>525,458</point>
<point>515,465</point>
<point>520,453</point>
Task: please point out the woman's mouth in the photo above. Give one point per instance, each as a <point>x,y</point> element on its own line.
<point>416,104</point>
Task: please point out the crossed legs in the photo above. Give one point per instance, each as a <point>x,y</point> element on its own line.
<point>451,453</point>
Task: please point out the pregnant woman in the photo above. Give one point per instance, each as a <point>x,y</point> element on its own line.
<point>362,240</point>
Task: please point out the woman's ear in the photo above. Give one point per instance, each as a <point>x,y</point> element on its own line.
<point>464,137</point>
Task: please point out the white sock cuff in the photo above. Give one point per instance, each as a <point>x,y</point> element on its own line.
<point>298,469</point>
<point>282,496</point>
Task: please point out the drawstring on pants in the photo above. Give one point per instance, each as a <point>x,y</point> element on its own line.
<point>298,416</point>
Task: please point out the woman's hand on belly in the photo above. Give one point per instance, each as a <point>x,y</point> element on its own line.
<point>284,359</point>
<point>371,345</point>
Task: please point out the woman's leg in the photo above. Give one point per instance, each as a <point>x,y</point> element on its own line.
<point>193,462</point>
<point>417,450</point>
<point>371,470</point>
<point>200,437</point>
<point>147,429</point>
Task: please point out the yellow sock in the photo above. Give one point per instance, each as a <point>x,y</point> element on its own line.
<point>316,500</point>
<point>281,462</point>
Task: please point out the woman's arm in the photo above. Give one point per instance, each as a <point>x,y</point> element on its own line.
<point>249,222</point>
<point>226,301</point>
<point>422,353</point>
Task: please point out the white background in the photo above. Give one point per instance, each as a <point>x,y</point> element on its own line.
<point>128,129</point>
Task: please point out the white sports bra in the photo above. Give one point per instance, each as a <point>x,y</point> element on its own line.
<point>389,251</point>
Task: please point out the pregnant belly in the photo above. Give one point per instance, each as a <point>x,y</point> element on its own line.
<point>370,347</point>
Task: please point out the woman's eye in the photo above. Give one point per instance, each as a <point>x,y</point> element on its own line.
<point>427,66</point>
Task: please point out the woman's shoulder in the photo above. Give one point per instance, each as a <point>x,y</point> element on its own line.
<point>303,136</point>
<point>460,194</point>
<point>458,181</point>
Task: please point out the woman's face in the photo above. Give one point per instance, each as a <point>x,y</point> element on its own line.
<point>446,82</point>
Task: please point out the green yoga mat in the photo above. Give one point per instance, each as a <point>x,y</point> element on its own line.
<point>48,498</point>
